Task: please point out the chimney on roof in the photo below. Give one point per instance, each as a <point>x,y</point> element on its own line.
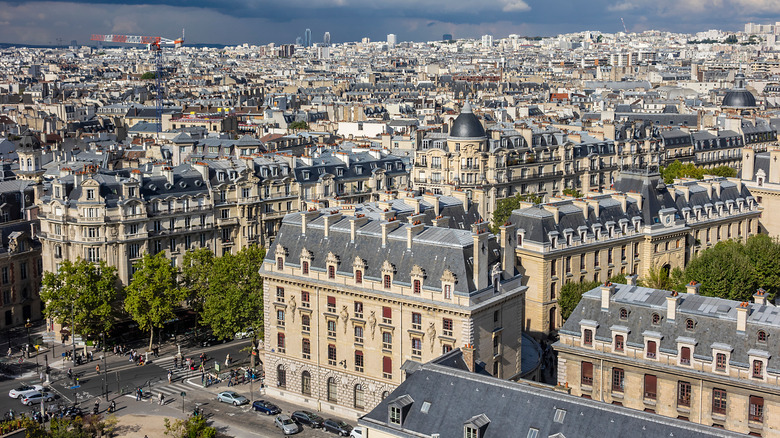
<point>480,256</point>
<point>433,200</point>
<point>468,356</point>
<point>356,222</point>
<point>607,290</point>
<point>554,210</point>
<point>508,237</point>
<point>760,297</point>
<point>168,173</point>
<point>742,314</point>
<point>414,203</point>
<point>631,280</point>
<point>685,190</point>
<point>330,219</point>
<point>306,217</point>
<point>671,305</point>
<point>774,166</point>
<point>413,229</point>
<point>388,227</point>
<point>692,287</point>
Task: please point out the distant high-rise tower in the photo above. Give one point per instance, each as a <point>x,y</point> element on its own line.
<point>326,39</point>
<point>391,39</point>
<point>447,37</point>
<point>487,40</point>
<point>298,41</point>
<point>307,38</point>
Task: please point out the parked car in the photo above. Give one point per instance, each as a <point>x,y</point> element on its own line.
<point>337,426</point>
<point>232,397</point>
<point>248,333</point>
<point>209,340</point>
<point>287,424</point>
<point>266,407</point>
<point>357,432</point>
<point>308,418</point>
<point>24,390</point>
<point>35,398</point>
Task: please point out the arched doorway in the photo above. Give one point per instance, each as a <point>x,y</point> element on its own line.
<point>281,376</point>
<point>553,318</point>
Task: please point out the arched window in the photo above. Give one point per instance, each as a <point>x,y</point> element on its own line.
<point>761,336</point>
<point>281,376</point>
<point>656,319</point>
<point>306,383</point>
<point>331,389</point>
<point>689,324</point>
<point>553,315</point>
<point>359,398</point>
<point>385,394</point>
<point>624,314</point>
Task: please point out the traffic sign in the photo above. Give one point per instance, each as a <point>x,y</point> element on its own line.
<point>183,394</point>
<point>74,387</point>
<point>77,338</point>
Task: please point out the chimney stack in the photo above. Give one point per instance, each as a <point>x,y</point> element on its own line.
<point>330,219</point>
<point>441,221</point>
<point>671,305</point>
<point>167,171</point>
<point>412,230</point>
<point>508,237</point>
<point>387,227</point>
<point>356,222</point>
<point>760,297</point>
<point>306,217</point>
<point>433,200</point>
<point>468,356</point>
<point>480,255</point>
<point>692,288</point>
<point>631,280</point>
<point>414,203</point>
<point>554,210</point>
<point>742,314</point>
<point>607,290</point>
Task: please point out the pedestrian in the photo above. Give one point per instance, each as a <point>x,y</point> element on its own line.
<point>227,360</point>
<point>175,362</point>
<point>162,399</point>
<point>9,351</point>
<point>97,369</point>
<point>137,394</point>
<point>170,376</point>
<point>230,382</point>
<point>202,377</point>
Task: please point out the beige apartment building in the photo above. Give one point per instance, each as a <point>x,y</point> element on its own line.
<point>641,225</point>
<point>702,359</point>
<point>350,298</point>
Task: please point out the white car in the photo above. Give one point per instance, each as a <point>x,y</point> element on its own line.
<point>357,432</point>
<point>24,390</point>
<point>35,398</point>
<point>248,333</point>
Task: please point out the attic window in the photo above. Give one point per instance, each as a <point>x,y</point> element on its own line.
<point>198,182</point>
<point>220,176</point>
<point>533,433</point>
<point>425,406</point>
<point>470,432</point>
<point>182,184</point>
<point>168,186</point>
<point>395,415</point>
<point>560,414</point>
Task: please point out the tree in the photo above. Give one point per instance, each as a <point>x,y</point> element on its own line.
<point>82,292</point>
<point>192,427</point>
<point>504,208</point>
<point>153,294</point>
<point>195,275</point>
<point>233,300</point>
<point>300,124</point>
<point>571,293</point>
<point>725,171</point>
<point>148,75</point>
<point>572,192</point>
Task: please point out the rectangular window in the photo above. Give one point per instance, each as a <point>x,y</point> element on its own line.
<point>447,292</point>
<point>279,263</point>
<point>280,317</point>
<point>446,324</point>
<point>280,342</point>
<point>470,432</point>
<point>305,323</point>
<point>685,356</point>
<point>387,367</point>
<point>358,276</point>
<point>331,304</point>
<point>23,267</point>
<point>306,349</point>
<point>395,415</point>
<point>417,286</point>
<point>587,373</point>
<point>756,411</point>
<point>387,315</point>
<point>331,328</point>
<point>719,401</point>
<point>280,294</point>
<point>305,267</point>
<point>416,321</point>
<point>358,334</point>
<point>596,258</point>
<point>331,355</point>
<point>553,289</point>
<point>619,343</point>
<point>609,256</point>
<point>305,297</point>
<point>416,347</point>
<point>358,309</point>
<point>387,282</point>
<point>758,369</point>
<point>554,268</point>
<point>651,385</point>
<point>618,377</point>
<point>720,362</point>
<point>331,272</point>
<point>588,337</point>
<point>651,349</point>
<point>683,394</point>
<point>359,361</point>
<point>387,340</point>
<point>5,274</point>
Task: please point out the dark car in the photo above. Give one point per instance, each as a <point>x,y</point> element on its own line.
<point>266,407</point>
<point>209,340</point>
<point>337,426</point>
<point>308,418</point>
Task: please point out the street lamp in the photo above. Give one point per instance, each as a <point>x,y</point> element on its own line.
<point>29,343</point>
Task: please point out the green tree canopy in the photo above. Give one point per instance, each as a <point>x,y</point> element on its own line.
<point>148,75</point>
<point>504,208</point>
<point>300,124</point>
<point>191,427</point>
<point>233,300</point>
<point>83,292</point>
<point>153,293</point>
<point>195,275</point>
<point>689,170</point>
<point>572,192</point>
<point>571,293</point>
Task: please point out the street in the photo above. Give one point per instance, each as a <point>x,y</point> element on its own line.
<point>123,377</point>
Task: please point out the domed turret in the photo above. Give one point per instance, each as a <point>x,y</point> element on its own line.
<point>739,96</point>
<point>467,125</point>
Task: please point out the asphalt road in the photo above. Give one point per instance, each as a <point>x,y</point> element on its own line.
<point>123,377</point>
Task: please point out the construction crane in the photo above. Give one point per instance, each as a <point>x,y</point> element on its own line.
<point>624,25</point>
<point>154,44</point>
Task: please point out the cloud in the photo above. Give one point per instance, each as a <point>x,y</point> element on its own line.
<point>515,5</point>
<point>622,6</point>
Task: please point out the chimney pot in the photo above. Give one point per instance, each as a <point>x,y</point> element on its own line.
<point>607,290</point>
<point>692,288</point>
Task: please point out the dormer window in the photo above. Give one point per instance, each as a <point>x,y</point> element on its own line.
<point>470,432</point>
<point>689,324</point>
<point>761,336</point>
<point>90,194</point>
<point>395,415</point>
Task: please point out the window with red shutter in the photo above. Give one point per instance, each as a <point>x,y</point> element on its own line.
<point>651,385</point>
<point>387,315</point>
<point>417,286</point>
<point>387,282</point>
<point>387,367</point>
<point>358,276</point>
<point>587,373</point>
<point>685,356</point>
<point>331,304</point>
<point>331,271</point>
<point>651,349</point>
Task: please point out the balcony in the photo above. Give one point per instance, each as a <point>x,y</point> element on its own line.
<point>227,221</point>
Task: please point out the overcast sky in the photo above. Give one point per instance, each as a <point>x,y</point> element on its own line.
<point>264,21</point>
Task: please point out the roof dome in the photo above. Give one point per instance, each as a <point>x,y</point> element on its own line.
<point>739,96</point>
<point>467,125</point>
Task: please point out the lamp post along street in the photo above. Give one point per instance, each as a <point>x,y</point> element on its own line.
<point>29,342</point>
<point>73,331</point>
